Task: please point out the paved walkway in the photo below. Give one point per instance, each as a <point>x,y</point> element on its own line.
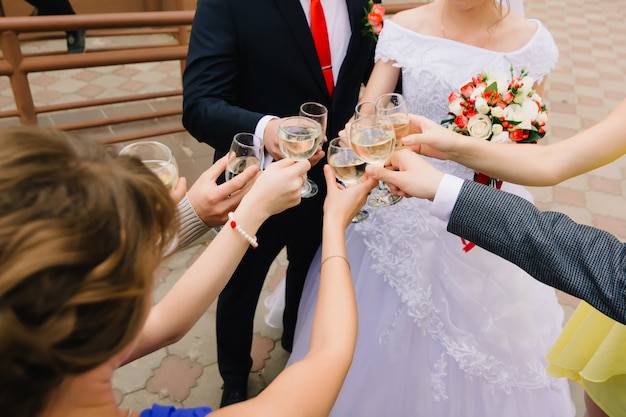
<point>586,84</point>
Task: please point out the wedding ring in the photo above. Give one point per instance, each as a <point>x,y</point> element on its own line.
<point>303,178</point>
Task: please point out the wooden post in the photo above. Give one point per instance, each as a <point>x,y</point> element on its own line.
<point>19,79</point>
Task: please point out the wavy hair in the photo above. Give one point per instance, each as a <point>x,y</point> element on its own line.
<point>81,234</point>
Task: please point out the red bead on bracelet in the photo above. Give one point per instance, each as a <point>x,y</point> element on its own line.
<point>233,224</point>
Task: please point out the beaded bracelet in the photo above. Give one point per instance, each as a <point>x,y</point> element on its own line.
<point>335,256</point>
<point>234,225</point>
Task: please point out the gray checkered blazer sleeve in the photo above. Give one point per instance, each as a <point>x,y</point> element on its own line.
<point>577,259</point>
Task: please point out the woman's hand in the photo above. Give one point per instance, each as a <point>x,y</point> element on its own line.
<point>342,203</point>
<point>408,175</point>
<point>278,187</point>
<point>431,139</point>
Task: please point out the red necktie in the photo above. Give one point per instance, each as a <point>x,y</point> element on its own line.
<point>322,45</point>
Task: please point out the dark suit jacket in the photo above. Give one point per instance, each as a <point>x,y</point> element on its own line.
<point>250,58</point>
<point>577,259</point>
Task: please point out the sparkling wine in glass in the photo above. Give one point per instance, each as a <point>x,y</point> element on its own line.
<point>158,158</point>
<point>362,109</point>
<point>297,139</point>
<point>246,150</point>
<point>373,140</point>
<point>344,161</point>
<point>394,106</point>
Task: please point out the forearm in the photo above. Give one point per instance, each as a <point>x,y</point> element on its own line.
<point>383,79</point>
<point>541,165</point>
<point>334,324</point>
<point>196,290</point>
<point>580,260</point>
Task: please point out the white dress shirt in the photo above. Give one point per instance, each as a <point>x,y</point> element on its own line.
<point>338,26</point>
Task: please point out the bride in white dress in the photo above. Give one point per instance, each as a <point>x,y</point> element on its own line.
<point>443,332</point>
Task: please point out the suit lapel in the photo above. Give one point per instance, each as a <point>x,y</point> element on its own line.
<point>296,21</point>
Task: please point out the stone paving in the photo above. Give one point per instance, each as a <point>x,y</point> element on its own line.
<point>586,84</point>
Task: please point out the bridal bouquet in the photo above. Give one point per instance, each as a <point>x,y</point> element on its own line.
<point>500,108</point>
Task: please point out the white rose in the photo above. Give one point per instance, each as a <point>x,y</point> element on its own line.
<point>497,112</point>
<point>530,108</point>
<point>455,106</point>
<point>510,110</point>
<point>496,129</point>
<point>481,105</point>
<point>479,126</point>
<point>502,137</point>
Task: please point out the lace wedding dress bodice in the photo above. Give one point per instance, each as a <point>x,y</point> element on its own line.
<point>443,332</point>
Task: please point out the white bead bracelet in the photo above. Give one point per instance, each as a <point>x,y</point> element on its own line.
<point>234,225</point>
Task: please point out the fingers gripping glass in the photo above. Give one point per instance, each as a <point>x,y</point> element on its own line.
<point>246,150</point>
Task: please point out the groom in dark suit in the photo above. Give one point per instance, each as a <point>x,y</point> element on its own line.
<point>251,63</point>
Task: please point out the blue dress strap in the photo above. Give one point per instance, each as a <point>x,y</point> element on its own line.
<point>169,411</point>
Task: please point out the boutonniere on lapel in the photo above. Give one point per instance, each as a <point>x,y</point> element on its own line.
<point>373,20</point>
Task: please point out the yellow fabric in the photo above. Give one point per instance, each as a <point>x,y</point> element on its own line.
<point>591,350</point>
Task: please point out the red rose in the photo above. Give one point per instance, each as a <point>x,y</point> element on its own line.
<point>461,121</point>
<point>516,135</point>
<point>378,9</point>
<point>453,96</point>
<point>467,90</point>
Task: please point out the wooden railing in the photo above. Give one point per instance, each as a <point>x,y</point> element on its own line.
<point>17,65</point>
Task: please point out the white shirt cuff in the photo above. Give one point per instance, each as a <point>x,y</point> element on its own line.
<point>260,132</point>
<point>446,196</point>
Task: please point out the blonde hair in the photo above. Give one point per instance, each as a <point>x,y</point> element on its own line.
<point>81,233</point>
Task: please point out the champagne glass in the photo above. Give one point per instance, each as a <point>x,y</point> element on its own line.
<point>319,113</point>
<point>158,158</point>
<point>373,140</point>
<point>362,109</point>
<point>394,106</point>
<point>246,150</point>
<point>297,139</point>
<point>344,161</point>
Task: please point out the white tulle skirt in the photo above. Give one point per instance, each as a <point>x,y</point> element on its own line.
<point>442,332</point>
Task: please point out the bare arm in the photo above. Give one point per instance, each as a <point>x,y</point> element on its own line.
<point>310,386</point>
<point>194,292</point>
<point>536,165</point>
